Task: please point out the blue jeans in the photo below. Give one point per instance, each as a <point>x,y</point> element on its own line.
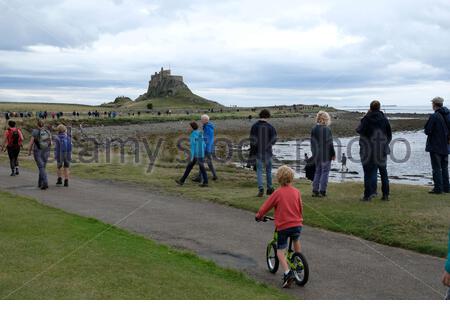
<point>284,235</point>
<point>439,163</point>
<point>41,158</point>
<point>320,182</point>
<point>384,179</point>
<point>259,173</point>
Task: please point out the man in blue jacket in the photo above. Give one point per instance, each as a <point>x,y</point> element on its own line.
<point>437,129</point>
<point>208,136</point>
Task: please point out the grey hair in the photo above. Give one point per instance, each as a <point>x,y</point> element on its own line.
<point>205,116</point>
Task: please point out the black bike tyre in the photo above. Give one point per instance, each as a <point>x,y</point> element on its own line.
<point>305,269</point>
<point>276,264</point>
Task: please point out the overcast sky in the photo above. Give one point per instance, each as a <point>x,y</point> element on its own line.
<point>246,52</point>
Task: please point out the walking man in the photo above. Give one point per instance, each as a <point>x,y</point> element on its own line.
<point>208,136</point>
<point>262,137</point>
<point>40,143</point>
<point>437,129</point>
<point>375,136</point>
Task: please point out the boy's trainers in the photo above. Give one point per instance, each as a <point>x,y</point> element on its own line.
<point>288,279</point>
<point>59,181</point>
<point>66,183</point>
<point>260,193</point>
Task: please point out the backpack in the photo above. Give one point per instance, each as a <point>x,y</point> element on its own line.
<point>43,139</point>
<point>14,138</point>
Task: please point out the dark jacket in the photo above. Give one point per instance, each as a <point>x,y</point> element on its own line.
<point>375,135</point>
<point>322,143</point>
<point>437,130</point>
<point>262,137</point>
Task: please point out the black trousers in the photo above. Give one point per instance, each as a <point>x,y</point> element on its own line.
<point>13,154</point>
<point>201,165</point>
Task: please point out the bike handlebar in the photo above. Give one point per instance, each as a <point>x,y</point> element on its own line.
<point>265,219</point>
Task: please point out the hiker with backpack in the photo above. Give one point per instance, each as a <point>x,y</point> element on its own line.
<point>13,143</point>
<point>63,154</point>
<point>41,140</point>
<point>437,130</point>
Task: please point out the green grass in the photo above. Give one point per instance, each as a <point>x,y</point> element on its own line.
<point>47,253</point>
<point>413,219</point>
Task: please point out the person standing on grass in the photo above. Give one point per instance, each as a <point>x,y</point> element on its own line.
<point>446,276</point>
<point>437,129</point>
<point>197,145</point>
<point>40,143</point>
<point>375,136</point>
<point>262,137</point>
<point>63,154</point>
<point>287,202</point>
<point>208,136</point>
<point>12,143</point>
<point>322,153</point>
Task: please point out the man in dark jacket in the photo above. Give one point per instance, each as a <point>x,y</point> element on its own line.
<point>375,136</point>
<point>437,129</point>
<point>262,137</point>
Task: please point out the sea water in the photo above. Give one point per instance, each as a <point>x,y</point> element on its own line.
<point>407,164</point>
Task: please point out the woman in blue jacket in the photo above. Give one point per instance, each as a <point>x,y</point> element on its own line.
<point>197,144</point>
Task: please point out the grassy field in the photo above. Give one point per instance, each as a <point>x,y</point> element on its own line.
<point>49,107</point>
<point>47,253</point>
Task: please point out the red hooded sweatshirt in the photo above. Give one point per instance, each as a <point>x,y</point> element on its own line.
<point>287,202</point>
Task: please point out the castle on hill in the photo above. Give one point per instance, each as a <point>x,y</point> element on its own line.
<point>163,84</point>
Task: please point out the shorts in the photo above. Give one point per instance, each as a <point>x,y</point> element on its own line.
<point>63,161</point>
<point>284,235</point>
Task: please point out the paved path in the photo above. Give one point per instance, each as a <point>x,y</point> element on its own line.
<point>342,267</point>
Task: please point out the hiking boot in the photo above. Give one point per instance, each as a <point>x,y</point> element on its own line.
<point>316,194</point>
<point>203,185</point>
<point>66,182</point>
<point>59,181</point>
<point>288,279</point>
<point>270,191</point>
<point>385,198</point>
<point>179,182</point>
<point>323,193</point>
<point>260,193</point>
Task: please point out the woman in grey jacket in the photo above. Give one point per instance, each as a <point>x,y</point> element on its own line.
<point>322,152</point>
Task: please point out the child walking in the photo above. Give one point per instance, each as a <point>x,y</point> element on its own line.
<point>63,154</point>
<point>288,216</point>
<point>197,156</point>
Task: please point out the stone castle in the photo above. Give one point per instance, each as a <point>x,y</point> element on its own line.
<point>163,84</point>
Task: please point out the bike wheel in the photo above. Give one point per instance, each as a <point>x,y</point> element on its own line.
<point>301,270</point>
<point>271,258</point>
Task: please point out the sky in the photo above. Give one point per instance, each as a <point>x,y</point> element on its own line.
<point>246,53</point>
